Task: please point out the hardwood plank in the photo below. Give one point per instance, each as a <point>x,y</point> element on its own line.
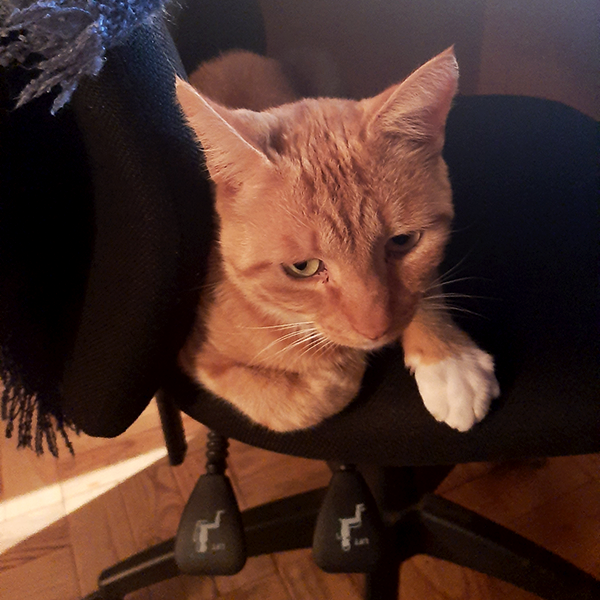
<point>529,497</point>
<point>462,474</point>
<point>590,464</point>
<point>305,581</point>
<point>256,569</point>
<point>100,536</point>
<point>144,435</point>
<point>426,578</point>
<point>513,489</point>
<point>171,589</point>
<point>51,576</point>
<point>430,579</point>
<point>198,588</point>
<point>568,526</point>
<point>358,580</point>
<point>418,581</point>
<point>22,471</point>
<point>80,490</point>
<point>270,588</point>
<point>266,476</point>
<point>153,504</point>
<point>94,453</point>
<point>53,538</point>
<point>19,527</point>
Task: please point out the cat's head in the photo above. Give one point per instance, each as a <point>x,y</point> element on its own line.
<point>334,212</point>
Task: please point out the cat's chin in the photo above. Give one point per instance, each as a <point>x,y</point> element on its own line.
<point>372,346</point>
<point>367,345</point>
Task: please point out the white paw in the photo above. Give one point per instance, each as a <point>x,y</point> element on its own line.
<point>459,389</point>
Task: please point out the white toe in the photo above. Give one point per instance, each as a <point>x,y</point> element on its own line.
<point>459,389</point>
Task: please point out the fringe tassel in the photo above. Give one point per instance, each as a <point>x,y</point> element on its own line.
<point>23,408</point>
<point>63,40</point>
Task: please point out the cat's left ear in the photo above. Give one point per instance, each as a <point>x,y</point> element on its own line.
<point>418,107</point>
<point>234,141</point>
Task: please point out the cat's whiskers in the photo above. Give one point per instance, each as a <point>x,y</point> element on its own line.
<point>282,338</point>
<point>308,339</point>
<point>445,295</point>
<point>437,283</point>
<point>440,300</point>
<point>319,348</point>
<point>453,270</point>
<point>445,306</point>
<point>312,340</point>
<point>282,326</point>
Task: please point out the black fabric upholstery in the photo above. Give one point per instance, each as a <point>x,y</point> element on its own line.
<point>524,173</point>
<point>153,219</point>
<point>103,250</point>
<point>147,181</point>
<point>46,236</point>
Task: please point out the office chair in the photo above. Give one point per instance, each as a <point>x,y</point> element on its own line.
<point>524,174</point>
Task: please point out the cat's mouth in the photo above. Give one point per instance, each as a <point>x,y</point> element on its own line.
<point>362,343</point>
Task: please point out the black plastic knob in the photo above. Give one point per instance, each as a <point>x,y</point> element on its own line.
<point>210,539</point>
<point>349,531</point>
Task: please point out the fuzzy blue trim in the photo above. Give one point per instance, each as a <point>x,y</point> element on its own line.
<point>63,40</point>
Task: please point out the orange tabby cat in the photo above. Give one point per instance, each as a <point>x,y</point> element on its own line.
<point>333,217</point>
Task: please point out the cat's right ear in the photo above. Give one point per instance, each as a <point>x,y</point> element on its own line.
<point>417,108</point>
<point>234,141</point>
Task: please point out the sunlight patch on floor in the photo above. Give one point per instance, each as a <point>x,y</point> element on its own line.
<point>25,515</point>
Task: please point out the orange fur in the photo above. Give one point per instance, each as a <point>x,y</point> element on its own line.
<point>331,180</point>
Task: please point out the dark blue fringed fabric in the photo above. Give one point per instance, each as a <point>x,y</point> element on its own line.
<point>65,39</point>
<point>57,42</point>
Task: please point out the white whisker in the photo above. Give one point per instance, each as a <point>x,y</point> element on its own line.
<point>283,326</point>
<point>450,308</point>
<point>465,311</point>
<point>283,338</point>
<point>306,335</point>
<point>309,339</point>
<point>317,344</point>
<point>454,269</point>
<point>313,342</point>
<point>437,283</point>
<point>445,295</point>
<point>324,347</point>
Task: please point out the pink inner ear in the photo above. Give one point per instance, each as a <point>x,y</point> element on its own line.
<point>420,104</point>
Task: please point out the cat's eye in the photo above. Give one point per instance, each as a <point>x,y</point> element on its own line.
<point>303,269</point>
<point>403,243</point>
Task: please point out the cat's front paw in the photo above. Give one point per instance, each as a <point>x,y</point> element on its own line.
<point>457,390</point>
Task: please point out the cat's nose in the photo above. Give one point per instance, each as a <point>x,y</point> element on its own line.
<point>375,337</point>
<point>373,331</point>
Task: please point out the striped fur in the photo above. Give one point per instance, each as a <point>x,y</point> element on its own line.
<point>336,181</point>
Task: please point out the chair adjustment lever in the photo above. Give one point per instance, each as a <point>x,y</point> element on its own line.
<point>210,539</point>
<point>349,533</point>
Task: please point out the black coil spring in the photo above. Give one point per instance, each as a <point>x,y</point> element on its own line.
<point>216,453</point>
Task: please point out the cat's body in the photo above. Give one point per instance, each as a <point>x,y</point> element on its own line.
<point>333,217</point>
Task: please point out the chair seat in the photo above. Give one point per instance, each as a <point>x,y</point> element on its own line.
<point>525,250</point>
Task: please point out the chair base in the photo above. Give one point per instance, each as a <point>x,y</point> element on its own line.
<point>431,525</point>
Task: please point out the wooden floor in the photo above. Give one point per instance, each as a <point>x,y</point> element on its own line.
<point>555,503</point>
